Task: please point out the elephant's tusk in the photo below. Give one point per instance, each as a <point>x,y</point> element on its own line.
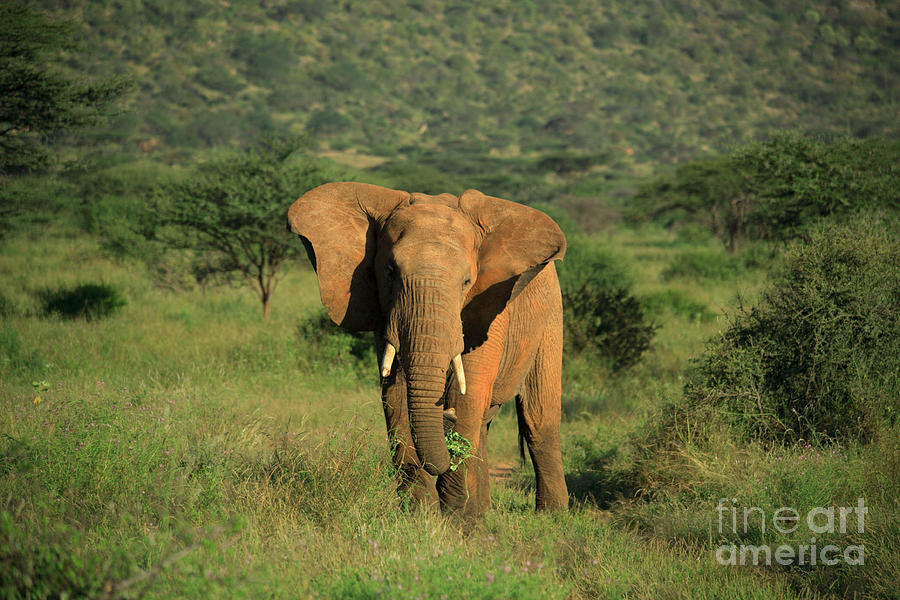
<point>388,360</point>
<point>460,374</point>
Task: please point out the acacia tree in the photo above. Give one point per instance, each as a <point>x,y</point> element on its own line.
<point>39,102</point>
<point>777,188</point>
<point>233,208</point>
<point>714,193</point>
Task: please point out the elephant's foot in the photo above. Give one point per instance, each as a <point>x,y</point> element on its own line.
<point>417,489</point>
<point>451,489</point>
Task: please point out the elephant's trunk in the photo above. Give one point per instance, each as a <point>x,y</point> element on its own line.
<point>428,329</point>
<point>425,388</point>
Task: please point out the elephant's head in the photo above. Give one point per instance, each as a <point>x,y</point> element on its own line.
<point>422,270</point>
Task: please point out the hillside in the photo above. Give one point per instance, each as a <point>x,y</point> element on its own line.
<point>626,87</point>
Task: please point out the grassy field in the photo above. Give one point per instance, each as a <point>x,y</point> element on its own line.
<point>172,443</point>
<point>183,447</point>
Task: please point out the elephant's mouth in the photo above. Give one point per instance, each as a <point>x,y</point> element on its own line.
<point>390,352</point>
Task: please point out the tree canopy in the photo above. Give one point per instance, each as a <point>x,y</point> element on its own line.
<point>234,208</point>
<point>39,102</point>
<point>777,188</point>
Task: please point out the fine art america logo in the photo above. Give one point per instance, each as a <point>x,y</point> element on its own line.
<point>818,521</point>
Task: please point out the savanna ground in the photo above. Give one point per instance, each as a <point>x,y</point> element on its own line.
<point>182,447</point>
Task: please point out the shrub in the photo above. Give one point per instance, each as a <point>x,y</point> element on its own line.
<point>264,56</point>
<point>218,77</point>
<point>608,320</point>
<point>565,163</point>
<point>588,262</point>
<point>416,177</point>
<point>87,301</point>
<point>324,344</point>
<point>328,121</point>
<point>600,313</point>
<point>818,357</point>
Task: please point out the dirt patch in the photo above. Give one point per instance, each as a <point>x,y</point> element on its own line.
<point>501,471</point>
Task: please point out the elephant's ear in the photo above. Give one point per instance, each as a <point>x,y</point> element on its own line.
<point>338,223</point>
<point>518,242</point>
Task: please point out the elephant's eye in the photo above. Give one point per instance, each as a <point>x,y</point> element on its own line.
<point>467,281</point>
<point>389,270</point>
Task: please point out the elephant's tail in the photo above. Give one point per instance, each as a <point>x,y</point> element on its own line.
<point>520,415</point>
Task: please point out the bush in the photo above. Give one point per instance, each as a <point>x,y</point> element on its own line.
<point>600,313</point>
<point>566,163</point>
<point>219,78</point>
<point>324,344</point>
<point>115,204</point>
<point>416,177</point>
<point>819,357</point>
<point>328,121</point>
<point>87,301</point>
<point>609,321</point>
<point>265,56</point>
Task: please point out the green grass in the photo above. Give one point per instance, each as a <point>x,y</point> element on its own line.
<point>186,448</point>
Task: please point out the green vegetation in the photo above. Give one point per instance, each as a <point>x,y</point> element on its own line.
<point>40,103</point>
<point>231,212</point>
<point>602,316</point>
<point>777,188</point>
<point>609,321</point>
<point>176,445</point>
<point>698,264</point>
<point>593,97</point>
<point>335,350</point>
<point>184,447</point>
<point>88,301</point>
<point>459,447</point>
<point>817,358</point>
<point>181,446</point>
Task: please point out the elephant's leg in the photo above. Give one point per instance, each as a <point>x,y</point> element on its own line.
<point>467,489</point>
<point>479,470</point>
<point>413,478</point>
<point>539,411</point>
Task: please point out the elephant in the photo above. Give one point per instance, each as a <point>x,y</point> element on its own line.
<point>463,297</point>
